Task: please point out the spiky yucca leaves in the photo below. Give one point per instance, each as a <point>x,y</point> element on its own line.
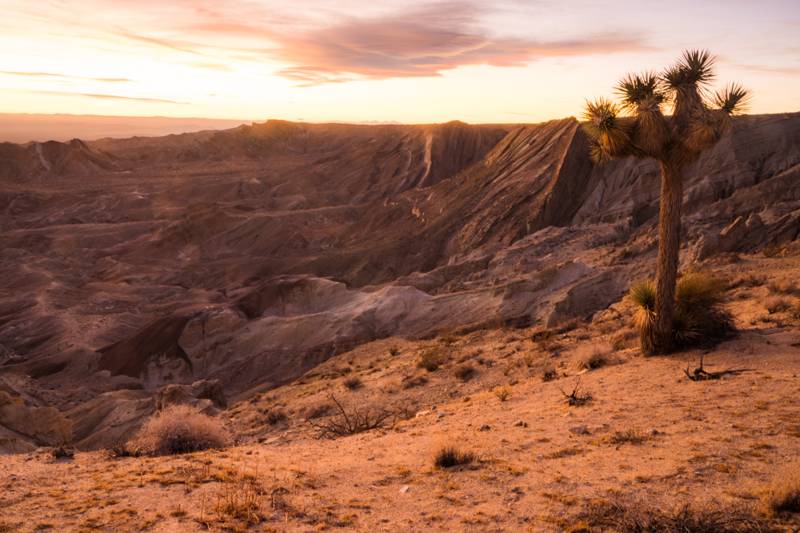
<point>643,294</point>
<point>637,90</point>
<point>699,318</point>
<point>733,99</point>
<point>695,69</point>
<point>610,133</point>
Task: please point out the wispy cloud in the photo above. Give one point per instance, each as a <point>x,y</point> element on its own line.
<point>782,70</point>
<point>173,44</point>
<point>53,75</point>
<point>103,96</point>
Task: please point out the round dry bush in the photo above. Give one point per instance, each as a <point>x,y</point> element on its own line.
<point>179,429</point>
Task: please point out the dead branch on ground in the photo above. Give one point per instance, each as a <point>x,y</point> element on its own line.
<point>349,421</point>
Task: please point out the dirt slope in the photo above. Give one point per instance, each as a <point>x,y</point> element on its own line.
<point>648,434</point>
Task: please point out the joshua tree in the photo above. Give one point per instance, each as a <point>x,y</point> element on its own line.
<point>697,122</point>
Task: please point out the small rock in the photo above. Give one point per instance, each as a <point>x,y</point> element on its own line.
<point>404,489</point>
<point>485,427</point>
<point>521,424</point>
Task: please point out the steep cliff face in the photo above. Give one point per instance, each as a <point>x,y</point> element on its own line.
<point>251,255</point>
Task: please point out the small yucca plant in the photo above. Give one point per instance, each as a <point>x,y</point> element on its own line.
<point>698,320</point>
<point>643,294</point>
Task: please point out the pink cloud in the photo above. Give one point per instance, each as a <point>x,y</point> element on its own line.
<point>403,42</point>
<point>422,42</point>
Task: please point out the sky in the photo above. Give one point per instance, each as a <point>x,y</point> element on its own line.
<point>382,61</point>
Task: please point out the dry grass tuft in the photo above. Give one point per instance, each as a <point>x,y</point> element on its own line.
<point>750,281</point>
<point>783,494</point>
<point>777,304</point>
<point>450,456</point>
<point>789,288</point>
<point>276,416</point>
<point>592,356</point>
<point>465,372</point>
<point>628,436</point>
<point>179,429</point>
<point>502,393</point>
<point>409,382</point>
<point>353,383</point>
<point>241,499</point>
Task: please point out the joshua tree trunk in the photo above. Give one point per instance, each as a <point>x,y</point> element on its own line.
<point>669,229</point>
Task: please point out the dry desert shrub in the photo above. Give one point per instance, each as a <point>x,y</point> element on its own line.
<point>465,372</point>
<point>628,515</point>
<point>577,397</point>
<point>450,456</point>
<point>777,304</point>
<point>179,429</point>
<point>783,494</point>
<point>591,356</point>
<point>353,383</point>
<point>549,372</point>
<point>502,393</point>
<point>409,382</point>
<point>699,318</point>
<point>787,287</point>
<point>275,416</point>
<point>430,360</point>
<point>63,452</point>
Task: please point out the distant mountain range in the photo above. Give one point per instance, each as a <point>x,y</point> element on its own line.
<point>22,128</point>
